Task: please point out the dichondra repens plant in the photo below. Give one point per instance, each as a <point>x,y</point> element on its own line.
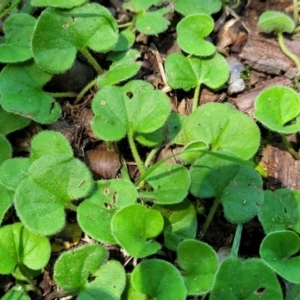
<point>153,214</point>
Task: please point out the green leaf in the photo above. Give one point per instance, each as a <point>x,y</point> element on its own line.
<point>125,40</point>
<point>20,246</point>
<point>58,3</point>
<point>238,186</point>
<point>152,22</point>
<point>18,31</point>
<point>119,110</point>
<point>199,263</point>
<point>191,32</point>
<point>6,197</point>
<point>96,294</point>
<point>159,280</point>
<point>188,7</point>
<point>278,108</point>
<point>280,210</point>
<point>130,293</point>
<point>180,222</point>
<point>170,184</point>
<point>250,279</point>
<point>73,268</point>
<point>134,227</point>
<point>10,122</point>
<point>21,92</point>
<point>188,72</point>
<point>192,151</point>
<point>15,295</point>
<point>216,125</point>
<point>60,33</point>
<point>52,182</point>
<point>123,67</point>
<point>95,213</point>
<point>276,21</point>
<point>140,5</point>
<point>278,251</point>
<point>6,150</point>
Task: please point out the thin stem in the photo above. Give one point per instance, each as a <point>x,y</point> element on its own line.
<point>151,156</point>
<point>289,147</point>
<point>29,279</point>
<point>209,218</point>
<point>236,240</point>
<point>3,4</point>
<point>132,24</point>
<point>9,9</point>
<point>135,154</point>
<point>63,95</point>
<point>84,90</point>
<point>236,5</point>
<point>287,52</point>
<point>71,207</point>
<point>91,60</point>
<point>196,97</point>
<point>295,12</point>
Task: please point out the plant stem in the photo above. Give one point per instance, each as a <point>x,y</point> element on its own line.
<point>29,279</point>
<point>91,60</point>
<point>84,90</point>
<point>209,218</point>
<point>289,147</point>
<point>295,12</point>
<point>132,24</point>
<point>3,4</point>
<point>135,153</point>
<point>151,155</point>
<point>287,52</point>
<point>71,206</point>
<point>63,95</point>
<point>9,9</point>
<point>236,240</point>
<point>196,97</point>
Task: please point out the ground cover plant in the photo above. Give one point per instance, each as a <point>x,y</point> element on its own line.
<point>90,207</point>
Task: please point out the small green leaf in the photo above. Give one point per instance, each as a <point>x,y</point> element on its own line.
<point>96,294</point>
<point>60,33</point>
<point>191,32</point>
<point>119,110</point>
<point>278,251</point>
<point>159,280</point>
<point>188,72</point>
<point>276,21</point>
<point>20,246</point>
<point>140,5</point>
<point>278,108</point>
<point>280,210</point>
<point>6,150</point>
<point>10,122</point>
<point>193,151</point>
<point>52,182</point>
<point>199,263</point>
<point>125,41</point>
<point>152,22</point>
<point>21,92</point>
<point>180,222</point>
<point>134,227</point>
<point>216,125</point>
<point>95,213</point>
<point>130,292</point>
<point>15,295</point>
<point>18,30</point>
<point>188,7</point>
<point>58,3</point>
<point>170,184</point>
<point>73,268</point>
<point>238,186</point>
<point>123,67</point>
<point>250,279</point>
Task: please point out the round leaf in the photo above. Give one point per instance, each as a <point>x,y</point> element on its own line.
<point>18,30</point>
<point>199,263</point>
<point>20,246</point>
<point>158,279</point>
<point>276,107</point>
<point>134,226</point>
<point>73,268</point>
<point>60,33</point>
<point>96,294</point>
<point>6,150</point>
<point>125,41</point>
<point>21,92</point>
<point>276,21</point>
<point>197,6</point>
<point>278,249</point>
<point>58,3</point>
<point>249,279</point>
<point>191,32</point>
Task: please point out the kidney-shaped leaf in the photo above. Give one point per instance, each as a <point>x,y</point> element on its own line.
<point>73,268</point>
<point>278,249</point>
<point>188,7</point>
<point>280,210</point>
<point>52,182</point>
<point>20,246</point>
<point>60,33</point>
<point>249,279</point>
<point>18,30</point>
<point>216,125</point>
<point>276,107</point>
<point>119,110</point>
<point>58,3</point>
<point>158,279</point>
<point>134,227</point>
<point>95,213</point>
<point>21,92</point>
